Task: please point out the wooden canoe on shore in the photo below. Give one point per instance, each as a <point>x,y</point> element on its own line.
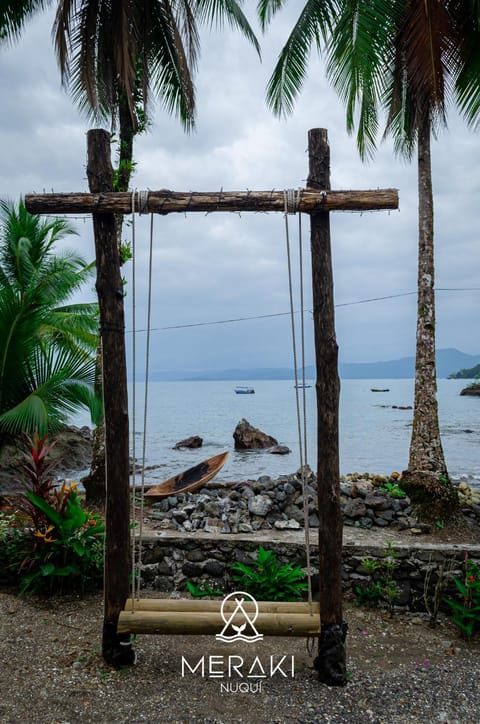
<point>190,479</point>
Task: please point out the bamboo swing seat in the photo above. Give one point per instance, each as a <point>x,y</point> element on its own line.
<point>200,617</point>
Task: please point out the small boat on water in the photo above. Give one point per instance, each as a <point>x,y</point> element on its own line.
<point>302,386</point>
<point>379,389</point>
<point>190,479</point>
<point>243,390</point>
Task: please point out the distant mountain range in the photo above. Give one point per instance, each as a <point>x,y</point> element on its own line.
<point>448,361</point>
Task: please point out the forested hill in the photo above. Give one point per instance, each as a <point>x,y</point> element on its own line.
<point>449,362</point>
<point>468,374</point>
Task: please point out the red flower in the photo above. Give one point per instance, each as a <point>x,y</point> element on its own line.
<point>471,579</point>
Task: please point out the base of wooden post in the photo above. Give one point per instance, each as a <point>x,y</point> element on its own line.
<point>117,648</point>
<point>331,662</point>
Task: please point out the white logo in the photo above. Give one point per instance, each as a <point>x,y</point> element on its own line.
<point>245,631</point>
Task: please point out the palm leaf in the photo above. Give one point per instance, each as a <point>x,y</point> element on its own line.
<point>216,12</point>
<point>313,26</point>
<point>266,10</point>
<point>13,15</point>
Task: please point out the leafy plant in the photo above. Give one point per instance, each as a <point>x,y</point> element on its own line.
<point>36,468</point>
<point>68,549</point>
<point>202,590</point>
<point>57,545</point>
<point>466,614</point>
<point>269,580</point>
<point>13,547</point>
<point>381,585</point>
<point>47,343</point>
<point>394,490</point>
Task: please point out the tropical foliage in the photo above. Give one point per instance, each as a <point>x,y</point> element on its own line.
<point>47,360</point>
<point>14,14</point>
<point>466,374</point>
<point>113,56</point>
<point>268,579</point>
<point>51,543</point>
<point>404,62</point>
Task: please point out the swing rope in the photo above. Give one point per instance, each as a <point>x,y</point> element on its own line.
<point>292,204</point>
<point>134,392</point>
<point>137,551</point>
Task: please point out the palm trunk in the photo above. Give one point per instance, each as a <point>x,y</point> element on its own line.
<point>426,478</point>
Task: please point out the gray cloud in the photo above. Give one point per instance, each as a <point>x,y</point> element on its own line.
<point>227,266</point>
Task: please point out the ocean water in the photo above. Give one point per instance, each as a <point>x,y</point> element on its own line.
<point>374,436</point>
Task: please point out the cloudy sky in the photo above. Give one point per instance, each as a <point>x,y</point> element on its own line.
<point>225,266</point>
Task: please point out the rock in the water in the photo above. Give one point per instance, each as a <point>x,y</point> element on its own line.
<point>279,450</point>
<point>473,390</point>
<point>248,437</point>
<point>191,442</point>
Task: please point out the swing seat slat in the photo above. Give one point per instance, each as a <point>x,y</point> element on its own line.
<point>198,617</point>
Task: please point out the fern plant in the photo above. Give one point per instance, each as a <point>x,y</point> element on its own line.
<point>269,580</point>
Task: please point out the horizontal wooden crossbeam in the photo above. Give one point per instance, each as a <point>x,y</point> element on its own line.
<point>199,617</point>
<point>166,202</point>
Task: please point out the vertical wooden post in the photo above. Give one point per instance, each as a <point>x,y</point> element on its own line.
<point>331,660</point>
<point>115,648</point>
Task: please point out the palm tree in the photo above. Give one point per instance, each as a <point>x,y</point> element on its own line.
<point>47,347</point>
<point>409,59</point>
<point>112,56</point>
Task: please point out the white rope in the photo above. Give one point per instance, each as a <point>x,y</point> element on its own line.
<point>137,544</point>
<point>134,402</point>
<point>145,406</point>
<point>292,204</point>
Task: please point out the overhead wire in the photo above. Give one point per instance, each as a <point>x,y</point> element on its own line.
<point>232,320</point>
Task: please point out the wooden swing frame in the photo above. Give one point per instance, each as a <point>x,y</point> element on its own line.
<point>199,617</point>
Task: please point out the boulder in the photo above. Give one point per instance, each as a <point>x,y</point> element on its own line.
<point>190,442</point>
<point>260,505</point>
<point>279,450</point>
<point>473,390</point>
<point>248,437</point>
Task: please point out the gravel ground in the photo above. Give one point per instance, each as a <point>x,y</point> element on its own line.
<point>400,670</point>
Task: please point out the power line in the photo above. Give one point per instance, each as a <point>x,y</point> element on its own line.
<point>284,314</point>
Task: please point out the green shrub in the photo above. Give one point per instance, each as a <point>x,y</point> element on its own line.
<point>380,588</point>
<point>52,544</point>
<point>67,553</point>
<point>269,580</point>
<point>466,612</point>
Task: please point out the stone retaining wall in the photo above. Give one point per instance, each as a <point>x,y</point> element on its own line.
<point>169,560</point>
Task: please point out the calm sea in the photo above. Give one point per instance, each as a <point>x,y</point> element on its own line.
<point>374,436</point>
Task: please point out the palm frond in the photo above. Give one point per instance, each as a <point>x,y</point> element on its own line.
<point>14,14</point>
<point>266,10</point>
<point>46,350</point>
<point>217,12</point>
<point>169,67</point>
<point>286,82</point>
<point>358,62</point>
<point>425,40</point>
<point>467,81</point>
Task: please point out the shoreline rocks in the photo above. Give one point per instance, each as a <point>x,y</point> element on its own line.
<point>277,504</point>
<point>72,451</point>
